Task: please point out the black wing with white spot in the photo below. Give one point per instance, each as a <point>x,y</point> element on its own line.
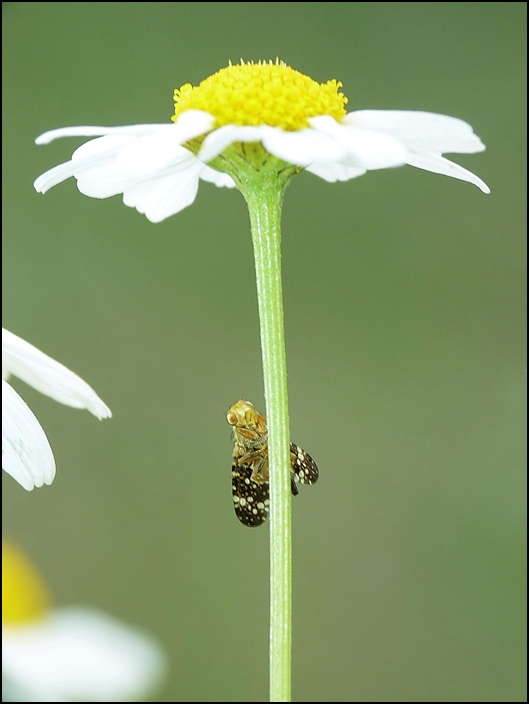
<point>303,467</point>
<point>250,498</point>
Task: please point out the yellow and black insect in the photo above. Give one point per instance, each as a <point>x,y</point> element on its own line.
<point>249,471</point>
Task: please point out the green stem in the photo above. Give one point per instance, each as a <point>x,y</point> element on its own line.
<point>264,204</point>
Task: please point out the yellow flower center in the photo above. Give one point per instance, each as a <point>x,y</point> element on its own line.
<point>262,94</point>
<point>24,595</point>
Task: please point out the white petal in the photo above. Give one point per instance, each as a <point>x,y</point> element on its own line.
<point>440,165</point>
<point>158,198</point>
<point>83,655</point>
<point>364,148</point>
<point>90,157</point>
<point>149,154</point>
<point>102,177</point>
<point>193,123</point>
<point>94,167</point>
<point>217,141</point>
<point>420,131</point>
<point>101,148</point>
<point>335,172</point>
<point>19,692</point>
<point>104,180</point>
<point>217,177</point>
<point>52,177</point>
<point>26,452</point>
<point>92,131</point>
<point>155,174</point>
<point>302,147</point>
<point>48,376</point>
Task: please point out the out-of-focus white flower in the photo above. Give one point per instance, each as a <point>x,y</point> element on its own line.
<point>157,167</point>
<point>26,452</point>
<point>69,654</point>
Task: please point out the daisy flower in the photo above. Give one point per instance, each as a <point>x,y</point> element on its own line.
<point>70,653</point>
<point>254,126</point>
<point>254,113</point>
<point>26,452</point>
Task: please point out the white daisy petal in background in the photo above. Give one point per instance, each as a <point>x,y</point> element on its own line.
<point>82,654</point>
<point>26,453</point>
<point>158,167</point>
<point>48,376</point>
<point>70,654</point>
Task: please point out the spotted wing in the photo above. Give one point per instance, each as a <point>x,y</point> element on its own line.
<point>250,498</point>
<point>303,467</point>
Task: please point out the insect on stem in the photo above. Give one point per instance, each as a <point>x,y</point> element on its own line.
<point>250,475</point>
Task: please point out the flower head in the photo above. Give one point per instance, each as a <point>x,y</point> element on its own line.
<point>26,452</point>
<point>292,121</point>
<point>262,94</point>
<point>68,654</point>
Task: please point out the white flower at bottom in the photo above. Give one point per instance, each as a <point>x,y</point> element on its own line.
<point>81,654</point>
<point>69,654</point>
<point>26,453</point>
<point>303,124</point>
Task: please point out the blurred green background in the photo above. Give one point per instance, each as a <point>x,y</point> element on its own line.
<point>404,299</point>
